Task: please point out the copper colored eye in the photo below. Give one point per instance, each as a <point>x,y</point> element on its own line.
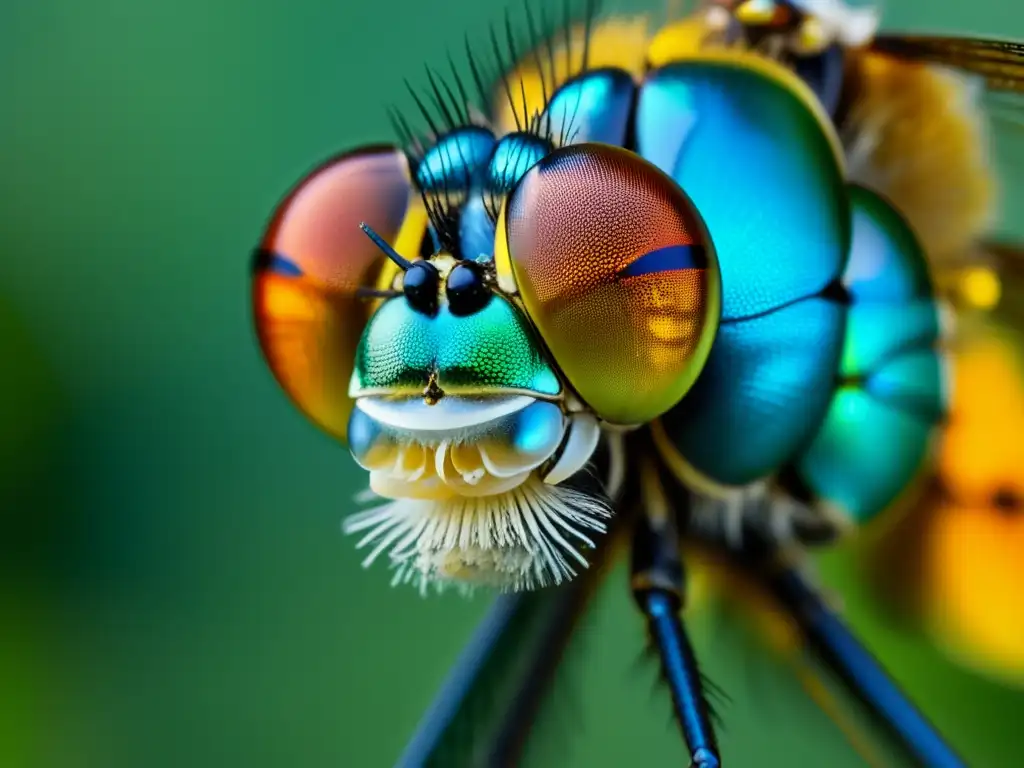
<point>616,270</point>
<point>312,260</point>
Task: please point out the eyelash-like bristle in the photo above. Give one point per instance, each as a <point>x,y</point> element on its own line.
<point>445,106</point>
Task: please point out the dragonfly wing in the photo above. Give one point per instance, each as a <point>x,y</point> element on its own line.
<point>999,62</point>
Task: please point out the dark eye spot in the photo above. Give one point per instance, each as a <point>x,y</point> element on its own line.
<point>667,259</point>
<point>467,290</point>
<point>420,287</point>
<point>268,261</point>
<point>1008,501</point>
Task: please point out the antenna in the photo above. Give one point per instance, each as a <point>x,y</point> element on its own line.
<point>388,251</point>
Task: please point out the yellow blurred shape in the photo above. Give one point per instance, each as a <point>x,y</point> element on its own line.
<point>980,287</point>
<point>974,545</point>
<point>813,38</point>
<point>982,448</point>
<point>677,41</point>
<point>755,12</point>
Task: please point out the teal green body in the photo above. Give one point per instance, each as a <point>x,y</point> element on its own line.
<point>890,393</point>
<point>768,184</point>
<point>825,368</point>
<point>493,349</point>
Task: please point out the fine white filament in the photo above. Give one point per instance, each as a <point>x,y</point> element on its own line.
<point>528,537</point>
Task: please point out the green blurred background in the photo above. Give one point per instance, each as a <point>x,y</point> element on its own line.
<point>174,587</point>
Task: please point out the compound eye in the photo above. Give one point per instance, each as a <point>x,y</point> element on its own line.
<point>312,261</point>
<point>615,268</point>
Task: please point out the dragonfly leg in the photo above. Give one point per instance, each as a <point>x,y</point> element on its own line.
<point>491,700</point>
<point>761,550</point>
<point>659,588</point>
<point>486,708</point>
<point>440,719</point>
<point>862,674</point>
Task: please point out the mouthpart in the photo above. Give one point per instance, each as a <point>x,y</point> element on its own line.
<point>475,490</point>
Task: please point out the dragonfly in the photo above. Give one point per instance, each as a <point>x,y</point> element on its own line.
<point>680,296</point>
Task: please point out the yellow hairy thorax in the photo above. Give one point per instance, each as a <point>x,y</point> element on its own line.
<point>915,133</point>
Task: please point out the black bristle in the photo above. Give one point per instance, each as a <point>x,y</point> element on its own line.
<point>461,88</point>
<point>504,68</point>
<point>514,56</point>
<point>714,697</point>
<point>535,44</point>
<point>446,106</point>
<point>439,102</point>
<point>550,49</point>
<point>528,120</point>
<point>588,22</point>
<point>567,31</point>
<point>424,112</point>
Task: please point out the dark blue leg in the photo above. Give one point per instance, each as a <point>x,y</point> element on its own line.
<point>682,674</point>
<point>483,713</point>
<point>843,653</point>
<point>658,584</point>
<point>443,713</point>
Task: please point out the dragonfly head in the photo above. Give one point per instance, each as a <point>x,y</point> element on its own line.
<point>473,382</point>
<point>459,415</point>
